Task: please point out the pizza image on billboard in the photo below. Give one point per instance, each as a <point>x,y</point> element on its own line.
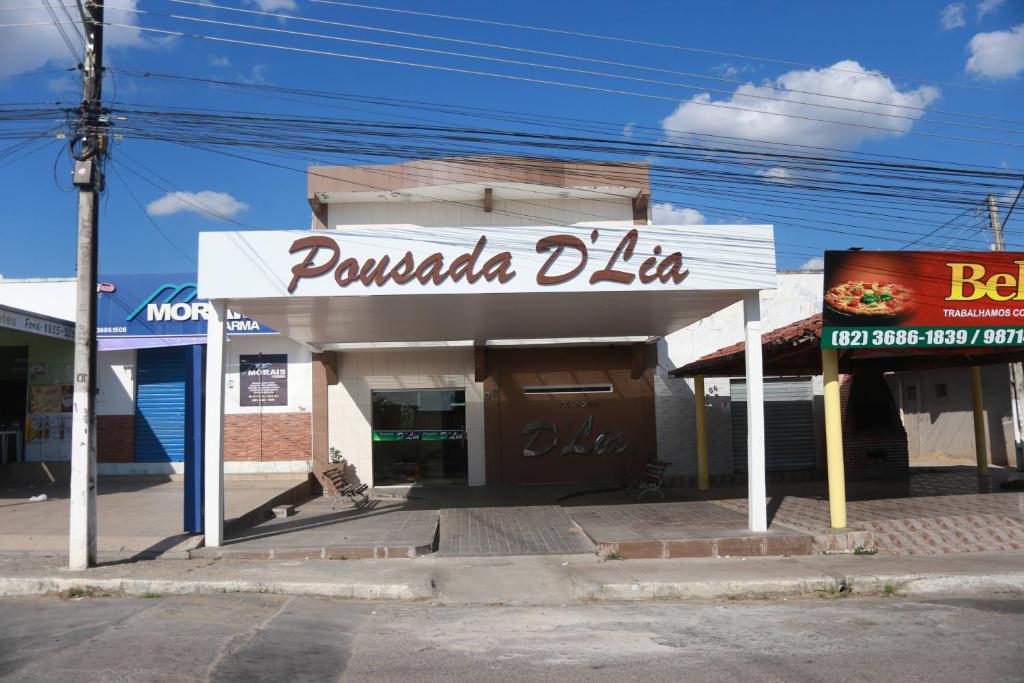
<point>874,301</point>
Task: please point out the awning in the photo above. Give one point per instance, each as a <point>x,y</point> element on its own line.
<point>446,284</point>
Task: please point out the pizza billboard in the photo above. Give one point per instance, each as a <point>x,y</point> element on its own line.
<point>897,299</point>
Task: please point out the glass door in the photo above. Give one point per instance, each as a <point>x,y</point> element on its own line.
<point>419,437</point>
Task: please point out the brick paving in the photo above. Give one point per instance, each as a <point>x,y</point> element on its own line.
<point>532,530</point>
<point>682,529</point>
<point>908,526</point>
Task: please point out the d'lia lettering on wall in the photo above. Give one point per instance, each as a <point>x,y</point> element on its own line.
<point>542,437</point>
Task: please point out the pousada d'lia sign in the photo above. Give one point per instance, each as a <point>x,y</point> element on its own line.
<point>566,257</point>
<point>411,260</point>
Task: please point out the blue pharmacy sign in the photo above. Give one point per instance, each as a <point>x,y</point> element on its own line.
<point>159,305</point>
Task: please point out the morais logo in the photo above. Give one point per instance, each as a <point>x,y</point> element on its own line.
<point>185,309</point>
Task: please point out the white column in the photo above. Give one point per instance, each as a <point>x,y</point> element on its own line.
<point>213,451</point>
<point>757,502</point>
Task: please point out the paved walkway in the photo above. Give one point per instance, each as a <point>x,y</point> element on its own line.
<point>532,530</point>
<point>908,526</point>
<point>682,529</point>
<point>380,529</point>
<point>136,516</point>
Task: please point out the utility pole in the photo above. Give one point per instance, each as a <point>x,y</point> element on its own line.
<point>1016,369</point>
<point>88,147</point>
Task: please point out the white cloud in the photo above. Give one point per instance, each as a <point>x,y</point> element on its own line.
<point>773,119</point>
<point>953,16</point>
<point>778,175</point>
<point>274,5</point>
<point>627,130</point>
<point>667,213</point>
<point>256,76</point>
<point>206,202</point>
<point>986,6</point>
<point>31,47</point>
<point>999,54</point>
<point>816,263</point>
<point>219,61</point>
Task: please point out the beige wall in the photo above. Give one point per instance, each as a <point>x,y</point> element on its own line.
<point>470,212</point>
<point>361,372</point>
<point>940,429</point>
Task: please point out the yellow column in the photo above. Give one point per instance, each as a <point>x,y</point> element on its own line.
<point>980,445</point>
<point>834,439</point>
<point>702,434</point>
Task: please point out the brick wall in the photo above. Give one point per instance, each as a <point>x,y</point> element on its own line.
<point>285,436</point>
<point>115,438</point>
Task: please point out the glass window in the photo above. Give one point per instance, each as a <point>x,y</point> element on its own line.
<point>419,437</point>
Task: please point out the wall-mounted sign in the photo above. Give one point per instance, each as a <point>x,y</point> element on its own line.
<point>264,379</point>
<point>388,435</point>
<point>411,260</point>
<point>160,305</point>
<point>22,321</point>
<point>885,299</point>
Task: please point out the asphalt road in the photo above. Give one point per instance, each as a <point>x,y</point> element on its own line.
<point>277,638</point>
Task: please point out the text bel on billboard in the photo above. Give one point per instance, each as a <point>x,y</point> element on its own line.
<point>879,299</point>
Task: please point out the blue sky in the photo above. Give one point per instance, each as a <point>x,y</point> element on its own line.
<point>974,44</point>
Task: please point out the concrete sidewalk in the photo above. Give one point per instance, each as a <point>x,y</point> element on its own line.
<point>537,580</point>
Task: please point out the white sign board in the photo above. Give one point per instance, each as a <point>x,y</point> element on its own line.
<point>410,260</point>
<point>14,319</point>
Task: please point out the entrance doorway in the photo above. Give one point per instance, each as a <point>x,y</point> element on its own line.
<point>419,437</point>
<point>13,387</point>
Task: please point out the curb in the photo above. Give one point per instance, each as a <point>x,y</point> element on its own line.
<point>898,584</point>
<point>426,589</point>
<point>21,587</point>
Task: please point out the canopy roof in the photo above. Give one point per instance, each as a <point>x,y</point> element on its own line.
<point>795,349</point>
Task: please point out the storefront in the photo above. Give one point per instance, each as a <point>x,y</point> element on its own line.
<point>483,355</point>
<point>35,387</point>
<point>152,341</point>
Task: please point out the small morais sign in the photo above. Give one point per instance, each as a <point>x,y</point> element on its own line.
<point>264,379</point>
<point>887,299</point>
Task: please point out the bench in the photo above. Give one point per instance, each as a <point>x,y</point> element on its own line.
<point>650,480</point>
<point>356,493</point>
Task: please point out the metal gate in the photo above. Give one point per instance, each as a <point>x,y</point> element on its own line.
<point>162,386</point>
<point>788,424</point>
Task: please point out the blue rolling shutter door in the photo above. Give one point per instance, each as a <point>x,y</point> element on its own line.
<point>161,390</point>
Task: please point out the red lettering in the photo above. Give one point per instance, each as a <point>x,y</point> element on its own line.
<point>557,244</point>
<point>430,269</point>
<point>671,268</point>
<point>306,269</point>
<point>624,250</point>
<point>408,267</point>
<point>499,266</point>
<point>463,266</point>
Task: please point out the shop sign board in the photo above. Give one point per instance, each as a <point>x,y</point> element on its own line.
<point>160,305</point>
<point>404,260</point>
<point>22,321</point>
<point>897,299</point>
<point>264,379</point>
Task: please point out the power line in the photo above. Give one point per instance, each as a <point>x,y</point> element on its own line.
<point>648,43</point>
<point>578,86</point>
<point>559,55</point>
<point>568,123</point>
